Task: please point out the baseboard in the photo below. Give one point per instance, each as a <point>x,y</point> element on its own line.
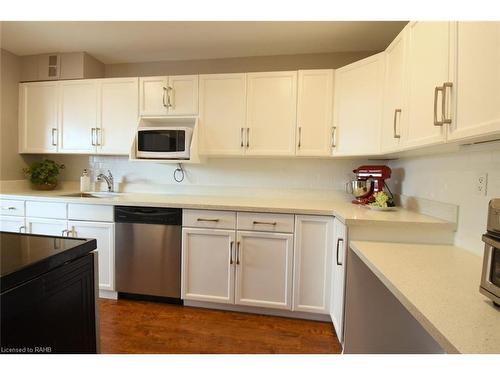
<point>108,294</point>
<point>259,310</point>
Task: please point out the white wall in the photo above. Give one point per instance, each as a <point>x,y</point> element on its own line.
<point>451,178</point>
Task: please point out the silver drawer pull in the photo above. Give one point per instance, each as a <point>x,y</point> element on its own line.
<point>8,208</point>
<point>209,220</point>
<point>264,223</point>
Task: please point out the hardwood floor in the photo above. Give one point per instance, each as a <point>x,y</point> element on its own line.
<point>148,327</point>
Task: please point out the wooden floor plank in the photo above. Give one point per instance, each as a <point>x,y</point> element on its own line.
<point>148,327</point>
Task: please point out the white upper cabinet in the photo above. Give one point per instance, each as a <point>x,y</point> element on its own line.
<point>395,113</point>
<point>208,262</point>
<point>182,95</point>
<point>476,84</point>
<point>271,113</point>
<point>358,106</point>
<point>118,115</point>
<point>223,113</point>
<point>174,95</point>
<point>428,71</point>
<point>264,269</point>
<point>314,112</point>
<point>312,262</point>
<point>79,107</point>
<point>38,117</point>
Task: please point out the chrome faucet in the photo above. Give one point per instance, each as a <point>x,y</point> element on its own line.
<point>108,179</point>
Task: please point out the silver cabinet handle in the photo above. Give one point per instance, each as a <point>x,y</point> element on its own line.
<point>92,136</point>
<point>338,243</point>
<point>21,228</point>
<point>437,89</point>
<point>445,87</point>
<point>8,208</point>
<point>241,137</point>
<point>264,223</point>
<point>248,137</point>
<point>98,136</point>
<point>231,252</point>
<point>396,111</point>
<point>209,220</point>
<point>238,249</point>
<point>169,98</point>
<point>300,137</point>
<point>54,139</point>
<point>334,133</point>
<point>163,97</point>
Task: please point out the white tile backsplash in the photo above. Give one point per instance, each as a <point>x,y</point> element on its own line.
<point>451,178</point>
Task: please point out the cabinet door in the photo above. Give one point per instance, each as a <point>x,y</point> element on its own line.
<point>428,68</point>
<point>13,224</point>
<point>312,260</point>
<point>104,233</point>
<point>78,116</point>
<point>358,106</point>
<point>395,112</point>
<point>49,227</point>
<point>223,113</point>
<point>208,265</point>
<point>118,115</point>
<point>182,95</point>
<point>153,96</point>
<point>264,269</point>
<point>476,51</point>
<point>338,278</point>
<point>38,117</point>
<point>271,113</point>
<point>314,112</point>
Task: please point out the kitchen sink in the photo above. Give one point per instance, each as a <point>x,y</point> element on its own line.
<point>92,195</point>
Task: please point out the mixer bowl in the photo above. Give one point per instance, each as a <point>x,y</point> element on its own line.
<point>360,189</point>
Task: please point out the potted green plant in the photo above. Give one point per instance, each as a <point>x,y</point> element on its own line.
<point>43,174</point>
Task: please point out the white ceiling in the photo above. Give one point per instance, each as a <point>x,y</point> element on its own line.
<point>121,42</point>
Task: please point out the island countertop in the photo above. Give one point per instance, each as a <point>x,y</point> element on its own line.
<point>26,256</point>
<point>439,286</point>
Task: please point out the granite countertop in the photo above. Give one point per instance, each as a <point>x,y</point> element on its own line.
<point>439,286</point>
<point>25,256</point>
<point>295,201</point>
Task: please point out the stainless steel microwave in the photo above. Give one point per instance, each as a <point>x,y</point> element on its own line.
<point>166,142</point>
<point>490,278</point>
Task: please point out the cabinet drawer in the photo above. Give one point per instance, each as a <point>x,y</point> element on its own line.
<point>209,219</point>
<point>11,207</point>
<point>265,222</point>
<point>90,212</point>
<point>53,210</point>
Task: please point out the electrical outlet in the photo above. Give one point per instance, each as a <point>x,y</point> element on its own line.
<point>481,183</point>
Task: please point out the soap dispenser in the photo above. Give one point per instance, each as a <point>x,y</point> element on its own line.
<point>84,181</point>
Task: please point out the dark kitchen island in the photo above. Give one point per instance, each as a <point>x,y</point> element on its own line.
<point>48,294</point>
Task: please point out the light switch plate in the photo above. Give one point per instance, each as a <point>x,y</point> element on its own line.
<point>481,183</point>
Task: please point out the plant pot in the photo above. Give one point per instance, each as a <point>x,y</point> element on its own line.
<point>45,186</point>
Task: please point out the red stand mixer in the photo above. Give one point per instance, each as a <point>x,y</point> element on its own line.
<point>370,179</point>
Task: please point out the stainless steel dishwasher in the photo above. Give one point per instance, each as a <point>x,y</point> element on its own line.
<point>148,252</point>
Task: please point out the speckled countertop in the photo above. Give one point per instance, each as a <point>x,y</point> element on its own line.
<point>315,202</point>
<point>439,285</point>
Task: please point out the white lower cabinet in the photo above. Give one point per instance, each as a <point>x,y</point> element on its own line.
<point>208,265</point>
<point>338,277</point>
<point>312,260</point>
<point>104,233</point>
<point>264,269</point>
<point>13,224</point>
<point>48,227</point>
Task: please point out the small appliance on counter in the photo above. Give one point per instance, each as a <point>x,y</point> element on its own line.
<point>490,278</point>
<point>370,179</point>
